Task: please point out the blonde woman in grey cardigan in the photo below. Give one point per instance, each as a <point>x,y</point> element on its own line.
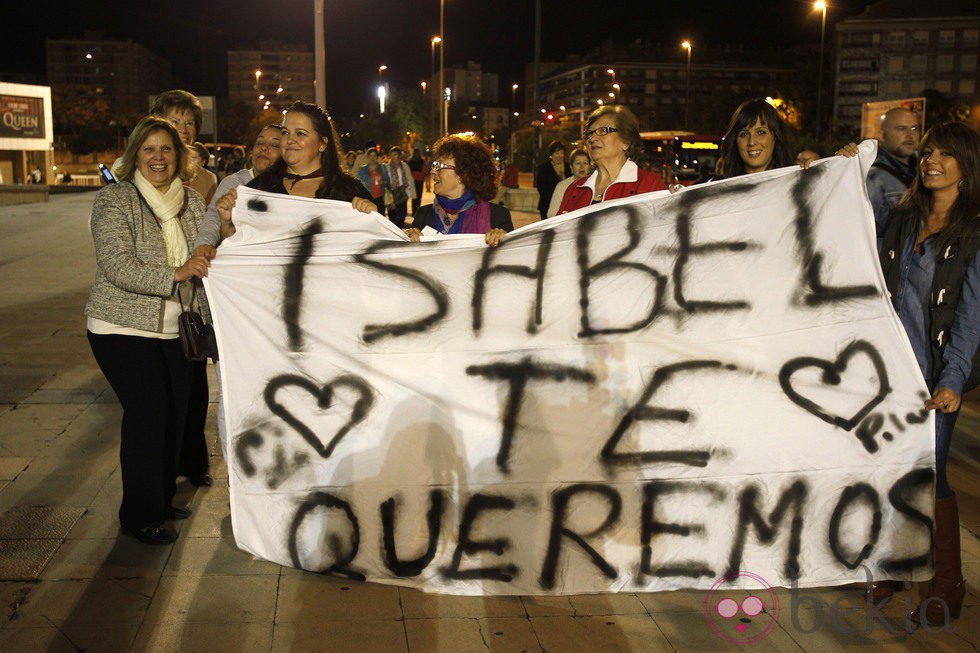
<point>144,228</point>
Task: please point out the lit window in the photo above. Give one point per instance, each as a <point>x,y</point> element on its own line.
<point>895,39</point>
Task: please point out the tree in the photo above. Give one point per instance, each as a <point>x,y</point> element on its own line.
<point>239,122</point>
<point>82,116</point>
<point>944,108</point>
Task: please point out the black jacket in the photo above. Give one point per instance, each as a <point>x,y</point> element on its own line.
<point>499,218</point>
<point>947,284</point>
<point>545,182</point>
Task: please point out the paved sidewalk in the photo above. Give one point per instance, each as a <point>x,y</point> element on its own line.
<point>70,582</point>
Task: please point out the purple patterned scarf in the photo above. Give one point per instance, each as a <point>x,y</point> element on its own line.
<point>464,215</point>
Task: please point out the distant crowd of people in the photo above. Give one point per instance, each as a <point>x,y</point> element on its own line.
<point>158,229</point>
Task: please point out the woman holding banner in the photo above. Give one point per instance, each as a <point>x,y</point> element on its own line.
<point>308,167</point>
<point>612,138</point>
<point>754,141</point>
<point>931,259</point>
<point>143,230</point>
<point>464,179</point>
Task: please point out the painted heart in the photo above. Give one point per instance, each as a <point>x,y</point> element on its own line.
<point>830,375</point>
<point>326,396</point>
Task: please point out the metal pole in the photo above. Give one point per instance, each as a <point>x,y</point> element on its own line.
<point>438,93</point>
<point>536,145</point>
<point>319,55</point>
<point>687,99</point>
<point>823,28</point>
<point>443,109</point>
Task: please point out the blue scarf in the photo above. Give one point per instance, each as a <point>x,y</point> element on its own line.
<point>449,215</point>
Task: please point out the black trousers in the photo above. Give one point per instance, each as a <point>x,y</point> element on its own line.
<point>417,200</point>
<point>152,380</point>
<point>397,214</point>
<point>192,447</point>
<point>380,203</point>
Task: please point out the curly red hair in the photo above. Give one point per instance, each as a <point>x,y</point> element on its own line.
<point>474,163</point>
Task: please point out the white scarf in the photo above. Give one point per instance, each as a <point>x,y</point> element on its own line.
<point>166,207</point>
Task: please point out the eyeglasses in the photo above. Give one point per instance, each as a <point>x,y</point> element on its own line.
<point>599,131</point>
<point>439,165</point>
<point>187,124</point>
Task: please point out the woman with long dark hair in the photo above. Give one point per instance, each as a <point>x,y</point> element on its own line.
<point>754,141</point>
<point>931,259</point>
<point>309,165</point>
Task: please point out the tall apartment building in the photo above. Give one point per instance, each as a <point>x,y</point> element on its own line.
<point>468,83</point>
<point>125,72</point>
<point>899,48</point>
<point>279,72</point>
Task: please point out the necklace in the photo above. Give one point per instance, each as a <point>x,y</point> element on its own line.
<point>295,178</point>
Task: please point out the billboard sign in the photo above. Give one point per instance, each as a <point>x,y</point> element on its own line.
<point>22,117</point>
<point>873,112</point>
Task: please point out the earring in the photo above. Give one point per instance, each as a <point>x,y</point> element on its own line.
<point>960,184</point>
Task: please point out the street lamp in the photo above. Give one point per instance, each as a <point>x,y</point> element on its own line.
<point>610,71</point>
<point>687,45</point>
<point>424,86</point>
<point>258,74</point>
<point>822,6</point>
<point>382,91</point>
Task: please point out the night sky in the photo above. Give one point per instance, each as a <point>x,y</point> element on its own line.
<point>194,34</point>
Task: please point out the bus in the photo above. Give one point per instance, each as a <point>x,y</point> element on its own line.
<point>682,157</point>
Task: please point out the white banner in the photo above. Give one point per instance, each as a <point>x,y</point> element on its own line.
<point>650,394</point>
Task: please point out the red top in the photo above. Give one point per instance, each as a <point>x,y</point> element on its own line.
<point>578,195</point>
<point>376,183</point>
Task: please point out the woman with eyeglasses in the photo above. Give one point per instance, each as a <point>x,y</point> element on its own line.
<point>309,165</point>
<point>612,138</point>
<point>464,179</point>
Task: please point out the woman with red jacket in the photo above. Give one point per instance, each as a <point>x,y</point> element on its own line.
<point>612,137</point>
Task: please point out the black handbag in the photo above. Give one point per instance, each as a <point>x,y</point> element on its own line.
<point>399,195</point>
<point>196,337</point>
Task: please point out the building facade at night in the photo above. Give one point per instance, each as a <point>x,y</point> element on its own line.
<point>653,82</point>
<point>898,49</point>
<point>279,72</point>
<point>126,73</point>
